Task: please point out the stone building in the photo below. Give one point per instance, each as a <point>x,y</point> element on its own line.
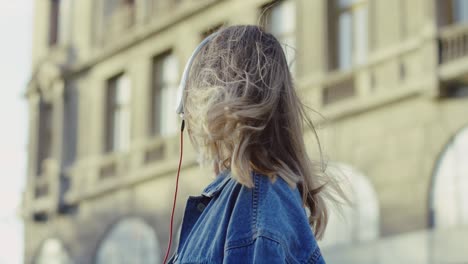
<point>389,78</point>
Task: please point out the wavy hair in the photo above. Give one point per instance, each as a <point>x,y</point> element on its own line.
<point>243,114</point>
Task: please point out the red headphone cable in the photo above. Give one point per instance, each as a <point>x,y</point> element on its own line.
<point>175,192</point>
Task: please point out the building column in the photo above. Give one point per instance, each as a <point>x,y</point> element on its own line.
<point>57,119</point>
<point>312,31</point>
<point>83,116</point>
<point>143,11</point>
<point>33,102</point>
<point>140,74</point>
<point>52,170</point>
<point>94,115</point>
<point>85,27</point>
<point>40,31</point>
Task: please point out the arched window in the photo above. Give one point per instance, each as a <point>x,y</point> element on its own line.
<point>130,241</point>
<point>359,222</point>
<point>449,201</point>
<point>53,252</point>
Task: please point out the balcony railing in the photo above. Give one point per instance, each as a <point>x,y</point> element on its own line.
<point>155,151</point>
<point>453,43</point>
<point>44,190</point>
<point>113,165</point>
<point>161,148</point>
<point>41,187</point>
<point>145,158</point>
<point>339,89</point>
<point>44,183</point>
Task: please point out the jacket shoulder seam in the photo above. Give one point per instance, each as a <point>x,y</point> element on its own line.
<point>249,241</point>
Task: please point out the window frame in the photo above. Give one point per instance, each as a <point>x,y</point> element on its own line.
<point>334,13</point>
<point>45,134</point>
<point>159,87</point>
<point>113,108</point>
<point>446,15</point>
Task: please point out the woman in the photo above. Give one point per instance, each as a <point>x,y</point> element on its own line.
<point>243,115</point>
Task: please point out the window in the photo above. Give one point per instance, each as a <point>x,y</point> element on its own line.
<point>164,95</point>
<point>117,130</point>
<point>348,39</point>
<point>65,19</point>
<point>449,201</point>
<point>452,12</point>
<point>130,241</point>
<point>53,252</point>
<point>157,8</point>
<point>282,24</point>
<point>112,6</point>
<point>338,91</point>
<point>357,223</point>
<point>60,18</point>
<point>460,11</point>
<point>115,17</point>
<point>45,134</point>
<point>54,22</point>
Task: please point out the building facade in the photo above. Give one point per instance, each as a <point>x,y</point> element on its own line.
<point>388,77</point>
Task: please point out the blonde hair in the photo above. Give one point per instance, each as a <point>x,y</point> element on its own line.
<point>243,114</point>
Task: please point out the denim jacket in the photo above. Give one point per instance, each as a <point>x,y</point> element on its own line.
<point>231,223</point>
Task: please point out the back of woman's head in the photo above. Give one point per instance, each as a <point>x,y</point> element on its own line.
<point>243,114</point>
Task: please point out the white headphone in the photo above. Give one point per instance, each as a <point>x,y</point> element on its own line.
<point>185,75</point>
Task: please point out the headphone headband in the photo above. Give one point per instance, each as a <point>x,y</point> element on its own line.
<point>185,75</point>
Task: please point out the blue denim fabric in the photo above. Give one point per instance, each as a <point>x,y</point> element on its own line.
<point>230,223</point>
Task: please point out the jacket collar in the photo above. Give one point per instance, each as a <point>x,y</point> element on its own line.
<point>218,184</point>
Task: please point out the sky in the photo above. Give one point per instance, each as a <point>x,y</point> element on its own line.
<point>15,68</point>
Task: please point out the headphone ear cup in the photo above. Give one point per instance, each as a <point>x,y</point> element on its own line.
<point>185,75</point>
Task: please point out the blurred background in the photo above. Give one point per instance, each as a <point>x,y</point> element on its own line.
<point>90,143</point>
